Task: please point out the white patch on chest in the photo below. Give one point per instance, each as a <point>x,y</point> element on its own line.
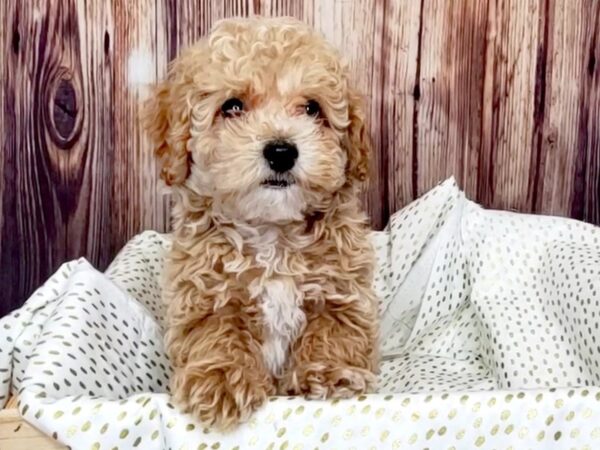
<point>279,298</point>
<point>283,318</point>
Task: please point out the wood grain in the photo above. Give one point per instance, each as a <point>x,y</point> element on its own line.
<point>4,177</point>
<point>16,434</point>
<point>512,76</point>
<point>569,180</point>
<point>137,47</point>
<point>502,94</point>
<point>55,202</point>
<point>450,76</point>
<point>400,94</point>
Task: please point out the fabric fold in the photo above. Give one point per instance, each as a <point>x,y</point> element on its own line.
<point>489,338</point>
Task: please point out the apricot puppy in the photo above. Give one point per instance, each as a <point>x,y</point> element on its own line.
<point>268,282</point>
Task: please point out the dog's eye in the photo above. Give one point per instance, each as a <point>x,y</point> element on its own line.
<point>232,107</point>
<point>312,108</point>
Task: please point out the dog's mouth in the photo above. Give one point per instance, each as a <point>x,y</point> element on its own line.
<point>279,181</point>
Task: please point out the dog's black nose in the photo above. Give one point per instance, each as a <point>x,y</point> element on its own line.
<point>281,155</point>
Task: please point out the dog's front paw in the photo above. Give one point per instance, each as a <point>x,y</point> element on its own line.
<point>319,381</point>
<point>220,397</point>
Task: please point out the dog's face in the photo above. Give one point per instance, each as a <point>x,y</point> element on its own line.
<point>259,117</point>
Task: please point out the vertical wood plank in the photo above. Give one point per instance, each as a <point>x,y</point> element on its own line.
<point>56,98</point>
<point>356,28</point>
<point>568,182</point>
<point>449,93</point>
<point>5,49</point>
<point>16,277</point>
<point>591,127</point>
<point>88,223</point>
<point>508,125</point>
<point>139,53</point>
<point>400,92</point>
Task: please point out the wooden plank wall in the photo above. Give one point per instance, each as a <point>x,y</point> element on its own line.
<point>502,94</point>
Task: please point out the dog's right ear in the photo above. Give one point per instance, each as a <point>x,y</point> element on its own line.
<point>168,126</point>
<point>359,141</point>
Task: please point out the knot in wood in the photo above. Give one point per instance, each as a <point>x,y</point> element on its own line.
<point>64,124</point>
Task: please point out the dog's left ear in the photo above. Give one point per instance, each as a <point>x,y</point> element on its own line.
<point>358,139</point>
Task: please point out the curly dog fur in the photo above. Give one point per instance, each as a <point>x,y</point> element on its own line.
<point>268,286</point>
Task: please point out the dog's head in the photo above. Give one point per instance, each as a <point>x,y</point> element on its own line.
<point>259,117</point>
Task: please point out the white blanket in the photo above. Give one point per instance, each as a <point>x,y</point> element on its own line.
<point>490,335</point>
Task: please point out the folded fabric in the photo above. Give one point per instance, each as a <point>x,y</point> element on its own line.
<point>489,338</point>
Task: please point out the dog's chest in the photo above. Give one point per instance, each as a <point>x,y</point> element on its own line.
<point>283,318</point>
<point>280,299</point>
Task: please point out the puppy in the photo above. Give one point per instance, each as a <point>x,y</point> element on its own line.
<point>268,282</point>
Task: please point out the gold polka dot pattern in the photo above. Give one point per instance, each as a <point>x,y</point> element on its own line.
<point>489,321</point>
